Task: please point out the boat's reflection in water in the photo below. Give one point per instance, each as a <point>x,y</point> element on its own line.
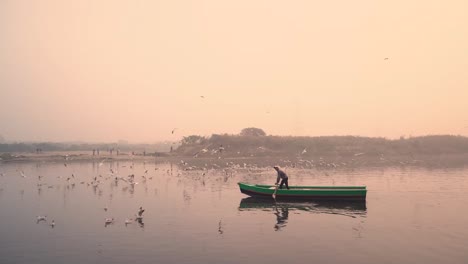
<point>281,209</point>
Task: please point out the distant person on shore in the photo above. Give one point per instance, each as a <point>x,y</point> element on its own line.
<point>283,176</point>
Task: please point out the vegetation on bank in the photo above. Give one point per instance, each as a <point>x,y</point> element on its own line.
<point>255,143</point>
<point>246,144</point>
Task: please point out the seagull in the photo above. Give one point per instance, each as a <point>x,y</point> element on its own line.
<point>304,151</point>
<point>41,218</point>
<point>385,58</point>
<point>109,221</point>
<point>128,221</point>
<point>173,130</point>
<point>52,224</point>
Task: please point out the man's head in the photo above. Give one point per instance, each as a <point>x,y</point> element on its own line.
<point>276,168</point>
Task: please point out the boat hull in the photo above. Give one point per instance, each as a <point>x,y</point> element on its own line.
<point>329,193</point>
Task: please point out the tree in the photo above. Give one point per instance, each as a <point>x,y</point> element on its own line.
<point>192,139</point>
<point>252,131</point>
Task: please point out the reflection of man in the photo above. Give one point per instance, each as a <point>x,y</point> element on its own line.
<point>140,222</point>
<point>281,217</point>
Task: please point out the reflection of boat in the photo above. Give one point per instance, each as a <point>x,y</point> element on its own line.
<point>328,207</point>
<point>341,193</point>
<point>250,203</point>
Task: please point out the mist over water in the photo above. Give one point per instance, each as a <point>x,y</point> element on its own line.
<point>200,216</point>
<point>125,127</point>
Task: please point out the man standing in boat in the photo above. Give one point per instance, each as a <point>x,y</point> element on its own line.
<point>283,176</point>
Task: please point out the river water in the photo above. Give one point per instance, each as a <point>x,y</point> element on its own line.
<point>193,215</point>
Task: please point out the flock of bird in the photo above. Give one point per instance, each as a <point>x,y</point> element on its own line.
<point>107,221</point>
<point>196,171</point>
<point>95,183</point>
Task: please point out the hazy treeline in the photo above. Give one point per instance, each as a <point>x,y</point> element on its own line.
<point>238,145</point>
<point>53,146</point>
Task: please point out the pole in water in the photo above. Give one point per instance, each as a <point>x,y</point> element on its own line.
<point>274,193</point>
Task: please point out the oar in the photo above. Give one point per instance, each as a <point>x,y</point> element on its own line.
<point>274,193</point>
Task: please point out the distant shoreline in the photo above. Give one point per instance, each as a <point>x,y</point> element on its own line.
<point>225,159</point>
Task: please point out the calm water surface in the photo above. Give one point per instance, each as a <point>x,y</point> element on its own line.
<point>200,216</point>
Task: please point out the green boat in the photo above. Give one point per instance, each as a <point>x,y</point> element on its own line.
<point>335,193</point>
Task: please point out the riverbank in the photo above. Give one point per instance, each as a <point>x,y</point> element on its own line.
<point>227,160</point>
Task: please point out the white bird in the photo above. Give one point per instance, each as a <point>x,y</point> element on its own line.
<point>52,224</point>
<point>41,218</point>
<point>128,221</point>
<point>109,221</point>
<point>102,162</point>
<point>304,151</point>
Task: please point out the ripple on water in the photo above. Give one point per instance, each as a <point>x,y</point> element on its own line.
<point>199,215</point>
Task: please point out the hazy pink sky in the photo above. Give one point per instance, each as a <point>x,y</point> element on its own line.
<point>109,70</point>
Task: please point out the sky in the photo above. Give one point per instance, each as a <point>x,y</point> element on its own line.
<point>108,70</point>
